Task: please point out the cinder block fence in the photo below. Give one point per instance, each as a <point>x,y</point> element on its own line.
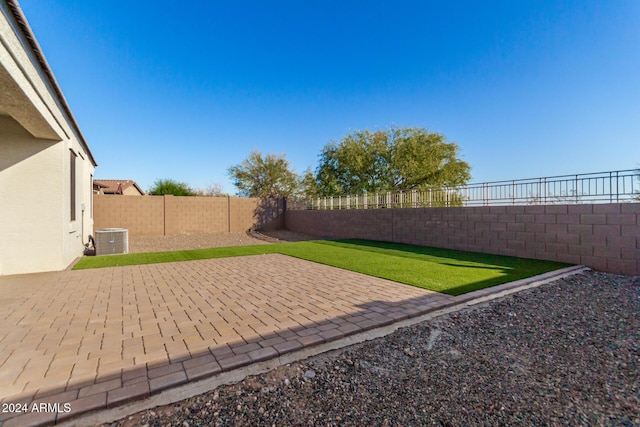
<point>605,237</point>
<point>169,215</point>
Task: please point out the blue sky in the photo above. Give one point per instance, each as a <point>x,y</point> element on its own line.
<point>184,90</point>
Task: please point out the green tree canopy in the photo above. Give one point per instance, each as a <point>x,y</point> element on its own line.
<point>170,186</point>
<point>309,185</point>
<point>264,176</point>
<point>397,159</point>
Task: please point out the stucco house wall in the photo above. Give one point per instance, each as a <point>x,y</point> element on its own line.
<point>43,227</point>
<point>131,191</point>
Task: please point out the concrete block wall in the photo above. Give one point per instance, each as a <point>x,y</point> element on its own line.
<point>142,216</point>
<point>171,215</point>
<point>605,237</point>
<point>267,215</point>
<point>244,213</point>
<point>187,215</point>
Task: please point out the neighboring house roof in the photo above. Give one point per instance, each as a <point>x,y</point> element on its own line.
<point>30,38</point>
<point>98,185</point>
<point>116,186</point>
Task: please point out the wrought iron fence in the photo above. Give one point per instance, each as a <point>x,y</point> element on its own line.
<point>601,187</point>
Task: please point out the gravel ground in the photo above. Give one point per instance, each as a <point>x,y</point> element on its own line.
<point>566,353</point>
<point>212,240</point>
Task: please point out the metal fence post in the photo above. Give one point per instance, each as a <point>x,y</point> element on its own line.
<point>539,190</point>
<point>485,194</point>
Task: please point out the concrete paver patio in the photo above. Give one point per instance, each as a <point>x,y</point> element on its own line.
<point>98,338</point>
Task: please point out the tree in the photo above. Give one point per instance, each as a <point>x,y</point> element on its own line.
<point>358,164</point>
<point>212,190</point>
<point>397,159</point>
<point>170,186</point>
<point>264,177</point>
<point>309,185</point>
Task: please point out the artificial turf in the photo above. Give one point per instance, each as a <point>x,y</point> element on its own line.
<point>443,270</point>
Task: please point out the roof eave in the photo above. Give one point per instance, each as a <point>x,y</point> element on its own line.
<point>22,22</point>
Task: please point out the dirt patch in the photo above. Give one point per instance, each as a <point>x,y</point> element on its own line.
<point>279,236</point>
<point>211,240</point>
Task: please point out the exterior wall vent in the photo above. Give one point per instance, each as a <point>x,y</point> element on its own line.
<point>110,241</point>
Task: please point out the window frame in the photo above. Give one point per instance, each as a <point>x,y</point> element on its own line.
<point>72,186</point>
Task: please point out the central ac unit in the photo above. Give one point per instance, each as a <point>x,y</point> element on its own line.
<point>110,241</point>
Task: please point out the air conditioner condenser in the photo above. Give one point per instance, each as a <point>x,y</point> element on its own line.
<point>111,241</point>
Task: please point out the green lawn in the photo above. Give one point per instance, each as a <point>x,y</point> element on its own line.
<point>443,270</point>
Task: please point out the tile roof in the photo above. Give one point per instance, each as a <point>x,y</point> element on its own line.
<point>111,186</point>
